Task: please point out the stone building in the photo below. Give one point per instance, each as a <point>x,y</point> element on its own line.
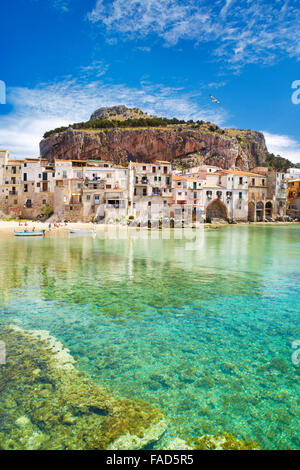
<point>10,196</point>
<point>4,157</point>
<point>275,198</point>
<point>37,188</point>
<point>150,190</point>
<point>293,208</point>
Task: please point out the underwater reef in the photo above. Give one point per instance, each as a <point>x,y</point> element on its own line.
<point>46,403</point>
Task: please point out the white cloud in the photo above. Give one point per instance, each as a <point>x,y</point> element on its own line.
<point>62,5</point>
<point>37,110</point>
<point>248,31</point>
<point>283,145</point>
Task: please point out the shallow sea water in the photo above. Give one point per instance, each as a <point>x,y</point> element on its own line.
<point>203,329</point>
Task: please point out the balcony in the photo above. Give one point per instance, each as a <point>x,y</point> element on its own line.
<point>115,205</point>
<point>142,182</point>
<point>13,193</point>
<point>95,183</point>
<point>12,181</point>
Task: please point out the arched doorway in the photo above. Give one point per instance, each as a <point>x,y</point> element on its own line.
<point>251,211</point>
<point>260,212</point>
<point>216,210</point>
<point>269,209</point>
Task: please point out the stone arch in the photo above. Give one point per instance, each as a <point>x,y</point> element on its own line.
<point>251,211</point>
<point>260,211</point>
<point>216,210</point>
<point>269,209</point>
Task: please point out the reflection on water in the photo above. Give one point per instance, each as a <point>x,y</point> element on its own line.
<point>204,332</point>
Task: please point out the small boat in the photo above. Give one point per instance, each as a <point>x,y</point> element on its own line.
<point>80,231</point>
<point>41,233</point>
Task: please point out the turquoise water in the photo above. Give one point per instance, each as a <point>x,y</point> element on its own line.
<point>202,330</point>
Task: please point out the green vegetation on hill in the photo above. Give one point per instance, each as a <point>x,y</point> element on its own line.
<point>138,122</point>
<point>277,162</point>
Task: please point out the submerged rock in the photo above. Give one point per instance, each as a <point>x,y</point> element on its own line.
<point>58,407</point>
<point>222,441</point>
<point>132,442</point>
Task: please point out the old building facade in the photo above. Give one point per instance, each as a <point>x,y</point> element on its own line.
<point>94,190</point>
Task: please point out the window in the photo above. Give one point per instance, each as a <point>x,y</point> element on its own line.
<point>144,192</point>
<point>209,194</point>
<point>88,198</point>
<point>53,175</point>
<point>149,204</point>
<point>194,185</point>
<point>44,201</point>
<point>78,174</point>
<point>253,181</point>
<point>25,165</point>
<point>28,203</point>
<point>25,188</point>
<point>241,180</point>
<point>167,180</point>
<point>64,174</point>
<point>45,176</point>
<point>78,185</point>
<point>15,202</point>
<point>25,177</point>
<point>136,180</point>
<point>153,169</point>
<point>240,195</point>
<point>159,178</point>
<point>155,178</point>
<point>263,182</point>
<point>144,168</point>
<point>195,195</point>
<point>40,176</point>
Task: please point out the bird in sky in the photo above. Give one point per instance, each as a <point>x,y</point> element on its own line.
<point>214,99</point>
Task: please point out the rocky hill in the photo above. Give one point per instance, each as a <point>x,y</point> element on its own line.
<point>119,113</point>
<point>147,140</point>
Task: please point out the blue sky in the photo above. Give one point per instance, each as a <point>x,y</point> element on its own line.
<point>62,59</point>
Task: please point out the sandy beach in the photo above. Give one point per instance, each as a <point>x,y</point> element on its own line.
<point>8,227</point>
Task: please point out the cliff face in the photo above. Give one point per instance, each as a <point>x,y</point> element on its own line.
<point>244,149</point>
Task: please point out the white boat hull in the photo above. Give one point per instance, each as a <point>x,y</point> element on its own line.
<point>30,234</point>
